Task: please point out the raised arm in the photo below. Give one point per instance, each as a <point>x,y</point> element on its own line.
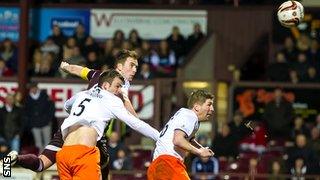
<point>75,70</point>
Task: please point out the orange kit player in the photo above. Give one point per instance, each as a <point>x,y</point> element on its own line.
<point>90,112</point>
<point>177,138</point>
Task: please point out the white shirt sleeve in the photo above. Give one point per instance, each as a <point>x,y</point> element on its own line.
<point>122,114</point>
<point>68,104</point>
<point>185,124</point>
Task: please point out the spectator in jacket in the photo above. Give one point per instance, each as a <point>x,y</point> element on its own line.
<point>278,115</point>
<point>11,121</point>
<point>176,42</point>
<point>114,145</point>
<point>279,70</point>
<point>145,72</point>
<point>57,36</point>
<point>122,162</point>
<point>195,37</point>
<point>225,145</point>
<point>303,152</point>
<point>39,112</point>
<point>205,165</point>
<point>4,70</point>
<point>9,53</point>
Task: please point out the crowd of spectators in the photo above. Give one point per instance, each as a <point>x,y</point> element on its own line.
<point>19,119</point>
<point>157,58</point>
<point>276,142</point>
<point>297,61</point>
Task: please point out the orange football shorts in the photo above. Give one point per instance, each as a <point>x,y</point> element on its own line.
<point>78,162</point>
<point>167,167</point>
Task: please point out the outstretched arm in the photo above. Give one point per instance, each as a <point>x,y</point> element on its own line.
<point>75,70</point>
<point>121,113</point>
<point>139,125</point>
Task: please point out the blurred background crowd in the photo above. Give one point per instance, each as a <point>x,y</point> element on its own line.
<point>157,58</point>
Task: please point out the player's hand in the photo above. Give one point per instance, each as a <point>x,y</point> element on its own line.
<point>205,152</point>
<point>210,150</point>
<point>63,65</point>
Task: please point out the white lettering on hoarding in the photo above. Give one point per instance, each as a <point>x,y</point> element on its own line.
<point>142,96</point>
<point>151,24</point>
<point>66,23</point>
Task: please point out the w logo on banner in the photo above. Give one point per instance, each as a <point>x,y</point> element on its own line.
<point>103,18</point>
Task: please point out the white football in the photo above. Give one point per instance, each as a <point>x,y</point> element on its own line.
<point>290,13</point>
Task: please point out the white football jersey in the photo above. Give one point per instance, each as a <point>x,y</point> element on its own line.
<point>96,107</point>
<point>185,120</point>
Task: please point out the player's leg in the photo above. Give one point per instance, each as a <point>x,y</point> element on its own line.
<point>35,163</point>
<point>63,164</point>
<point>167,167</point>
<point>42,162</point>
<point>105,170</point>
<point>151,171</point>
<point>104,157</point>
<point>159,169</point>
<point>180,171</point>
<point>29,161</point>
<point>86,164</point>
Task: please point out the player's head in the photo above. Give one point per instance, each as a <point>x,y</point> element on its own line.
<point>111,81</point>
<point>201,102</point>
<point>127,63</point>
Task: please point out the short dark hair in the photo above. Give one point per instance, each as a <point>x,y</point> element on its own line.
<point>198,96</point>
<point>122,56</point>
<point>108,76</point>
